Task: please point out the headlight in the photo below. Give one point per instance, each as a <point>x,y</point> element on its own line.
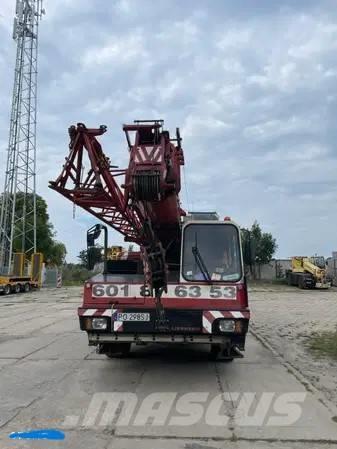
<point>226,325</point>
<point>99,323</point>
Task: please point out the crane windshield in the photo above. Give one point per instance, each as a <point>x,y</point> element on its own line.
<point>211,253</point>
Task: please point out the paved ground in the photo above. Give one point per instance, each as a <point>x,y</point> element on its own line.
<point>284,319</point>
<point>50,378</point>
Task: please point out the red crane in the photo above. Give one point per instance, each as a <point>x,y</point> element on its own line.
<point>146,208</point>
<point>205,297</point>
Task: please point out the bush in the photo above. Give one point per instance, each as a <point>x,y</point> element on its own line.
<point>74,274</point>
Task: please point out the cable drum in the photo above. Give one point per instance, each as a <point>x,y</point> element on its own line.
<point>146,185</point>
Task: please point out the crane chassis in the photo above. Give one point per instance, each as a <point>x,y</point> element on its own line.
<point>186,284</point>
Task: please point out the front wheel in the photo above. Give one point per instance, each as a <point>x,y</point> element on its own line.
<point>7,289</point>
<point>221,352</point>
<point>117,350</point>
<point>301,283</point>
<point>215,351</point>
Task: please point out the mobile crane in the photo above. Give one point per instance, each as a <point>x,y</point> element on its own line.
<point>187,283</point>
<point>308,272</point>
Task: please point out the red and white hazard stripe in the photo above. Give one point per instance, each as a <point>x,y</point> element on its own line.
<point>117,325</point>
<point>146,154</point>
<point>94,312</point>
<point>209,316</point>
<point>59,280</point>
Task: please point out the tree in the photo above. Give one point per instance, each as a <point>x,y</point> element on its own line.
<point>92,254</point>
<point>258,247</point>
<point>57,253</point>
<point>54,252</point>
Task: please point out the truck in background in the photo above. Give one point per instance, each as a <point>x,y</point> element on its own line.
<point>308,272</point>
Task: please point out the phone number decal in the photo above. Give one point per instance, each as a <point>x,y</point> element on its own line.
<point>174,291</point>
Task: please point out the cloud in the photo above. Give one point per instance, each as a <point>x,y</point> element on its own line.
<point>251,85</point>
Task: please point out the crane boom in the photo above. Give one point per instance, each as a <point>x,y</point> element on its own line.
<point>148,211</point>
<point>97,192</point>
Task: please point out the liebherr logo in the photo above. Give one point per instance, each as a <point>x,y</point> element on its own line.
<point>173,409</point>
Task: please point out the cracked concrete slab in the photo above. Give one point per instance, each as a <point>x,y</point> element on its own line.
<point>17,348</point>
<point>53,377</point>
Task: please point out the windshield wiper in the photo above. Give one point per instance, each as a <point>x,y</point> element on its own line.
<point>200,261</point>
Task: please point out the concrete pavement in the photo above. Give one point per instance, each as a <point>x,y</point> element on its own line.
<point>50,378</point>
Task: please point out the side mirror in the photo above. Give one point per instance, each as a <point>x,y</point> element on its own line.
<point>92,235</point>
<point>90,241</point>
<point>90,259</point>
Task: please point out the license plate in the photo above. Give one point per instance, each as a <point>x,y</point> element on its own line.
<point>132,316</point>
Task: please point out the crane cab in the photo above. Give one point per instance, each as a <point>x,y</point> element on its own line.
<point>211,250</point>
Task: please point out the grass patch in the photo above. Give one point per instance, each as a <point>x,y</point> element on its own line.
<point>324,344</point>
<point>71,283</point>
<point>282,281</point>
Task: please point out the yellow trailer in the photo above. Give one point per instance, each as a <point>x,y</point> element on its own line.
<point>17,282</point>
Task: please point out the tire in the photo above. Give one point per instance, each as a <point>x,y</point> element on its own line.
<point>26,287</point>
<point>214,352</point>
<point>226,356</point>
<point>7,289</point>
<point>289,279</point>
<point>17,288</point>
<point>301,283</point>
<point>118,350</point>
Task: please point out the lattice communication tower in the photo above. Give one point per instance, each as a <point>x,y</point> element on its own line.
<point>18,201</point>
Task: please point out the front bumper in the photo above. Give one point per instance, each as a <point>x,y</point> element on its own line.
<point>185,327</point>
<point>95,338</point>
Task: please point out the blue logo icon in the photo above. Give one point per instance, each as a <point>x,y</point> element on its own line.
<point>43,434</point>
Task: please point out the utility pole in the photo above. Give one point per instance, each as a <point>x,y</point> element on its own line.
<point>18,201</point>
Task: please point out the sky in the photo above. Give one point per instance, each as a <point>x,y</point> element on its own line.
<point>252,84</point>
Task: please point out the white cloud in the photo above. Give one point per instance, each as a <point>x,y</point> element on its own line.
<point>251,89</point>
<point>116,50</point>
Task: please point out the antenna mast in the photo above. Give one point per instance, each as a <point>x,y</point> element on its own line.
<point>18,202</point>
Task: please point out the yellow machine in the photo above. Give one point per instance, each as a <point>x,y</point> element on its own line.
<point>305,273</point>
<point>115,252</point>
<point>17,282</point>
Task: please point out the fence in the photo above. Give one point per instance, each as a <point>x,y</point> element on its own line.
<point>51,277</point>
<point>275,269</point>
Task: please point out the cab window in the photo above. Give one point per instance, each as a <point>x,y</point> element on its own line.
<point>211,252</point>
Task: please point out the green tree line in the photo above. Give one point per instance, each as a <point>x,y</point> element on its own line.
<point>54,252</point>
